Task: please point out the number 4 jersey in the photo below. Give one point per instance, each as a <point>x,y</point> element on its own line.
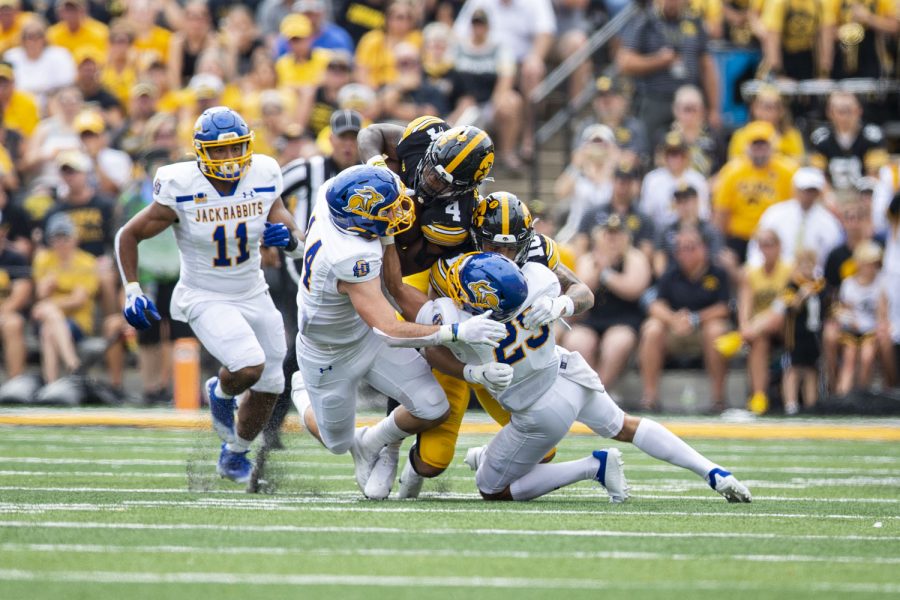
<point>531,352</point>
<point>218,235</point>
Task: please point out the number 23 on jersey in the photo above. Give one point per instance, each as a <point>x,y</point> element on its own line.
<point>509,351</point>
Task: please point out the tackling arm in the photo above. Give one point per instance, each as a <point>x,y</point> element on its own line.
<point>581,295</point>
<point>380,139</point>
<point>409,299</point>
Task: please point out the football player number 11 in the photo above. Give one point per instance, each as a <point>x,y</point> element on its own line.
<point>221,240</point>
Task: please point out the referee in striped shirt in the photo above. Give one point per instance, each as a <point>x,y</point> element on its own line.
<point>302,179</point>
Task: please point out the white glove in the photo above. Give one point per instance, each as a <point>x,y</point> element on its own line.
<point>480,329</point>
<point>544,311</point>
<point>495,376</point>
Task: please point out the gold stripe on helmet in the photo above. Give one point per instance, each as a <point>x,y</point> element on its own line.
<point>421,123</point>
<point>465,151</point>
<point>504,213</point>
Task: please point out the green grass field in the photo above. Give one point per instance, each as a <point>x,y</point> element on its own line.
<point>133,513</point>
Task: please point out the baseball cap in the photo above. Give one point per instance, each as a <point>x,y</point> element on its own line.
<point>356,96</point>
<point>144,88</point>
<point>59,224</point>
<point>867,252</point>
<point>206,86</point>
<point>74,159</point>
<point>674,141</point>
<point>296,26</point>
<point>84,53</point>
<point>89,121</point>
<point>809,178</point>
<point>598,132</point>
<point>480,16</point>
<point>610,85</point>
<point>757,131</point>
<point>345,120</point>
<point>684,190</point>
<point>626,170</point>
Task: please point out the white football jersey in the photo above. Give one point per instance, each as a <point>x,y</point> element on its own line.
<point>218,236</point>
<point>325,315</point>
<point>532,353</point>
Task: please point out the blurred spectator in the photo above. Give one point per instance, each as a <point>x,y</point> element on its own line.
<point>20,109</point>
<point>801,222</point>
<point>768,106</point>
<point>875,196</point>
<point>54,134</point>
<point>271,126</point>
<point>15,296</point>
<point>142,105</point>
<point>690,121</point>
<point>12,154</point>
<point>375,62</point>
<point>361,98</point>
<point>16,227</point>
<point>158,274</point>
<point>572,30</point>
<point>205,91</point>
<point>151,41</point>
<point>688,314</point>
<point>438,54</point>
<point>301,67</point>
<point>892,275</point>
<point>790,39</point>
<point>527,29</point>
<point>748,185</point>
<point>119,74</point>
<point>40,69</point>
<point>802,303</point>
<point>169,99</point>
<point>759,326</point>
<point>194,35</point>
<point>66,284</point>
<point>623,203</point>
<point>611,108</point>
<point>587,181</point>
<point>740,21</point>
<point>12,19</point>
<point>660,184</point>
<point>846,148</point>
<point>326,35</point>
<point>710,12</point>
<point>76,30</point>
<point>662,50</point>
<point>88,63</point>
<point>863,310</point>
<point>486,73</point>
<point>687,214</point>
<point>358,17</point>
<point>111,167</point>
<point>270,14</point>
<point>161,131</point>
<point>211,63</point>
<point>409,95</point>
<point>241,39</point>
<point>849,33</point>
<point>618,274</point>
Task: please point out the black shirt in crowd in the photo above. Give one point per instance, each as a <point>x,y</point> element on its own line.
<point>680,292</point>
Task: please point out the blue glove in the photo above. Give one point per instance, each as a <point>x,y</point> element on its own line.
<point>277,234</point>
<point>136,302</point>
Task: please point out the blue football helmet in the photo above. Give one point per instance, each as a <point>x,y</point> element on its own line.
<point>482,281</point>
<point>370,202</point>
<point>220,126</point>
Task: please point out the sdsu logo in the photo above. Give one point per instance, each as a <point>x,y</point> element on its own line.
<point>361,268</point>
<point>363,201</point>
<point>484,294</point>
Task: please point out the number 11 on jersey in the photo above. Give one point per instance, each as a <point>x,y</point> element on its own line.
<point>222,259</point>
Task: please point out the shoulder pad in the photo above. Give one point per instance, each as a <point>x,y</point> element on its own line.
<point>873,133</point>
<point>820,135</point>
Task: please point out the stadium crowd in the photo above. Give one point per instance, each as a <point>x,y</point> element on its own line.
<point>701,241</point>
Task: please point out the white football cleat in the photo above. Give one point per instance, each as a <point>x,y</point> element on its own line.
<point>363,461</point>
<point>473,457</point>
<point>611,474</point>
<point>381,479</point>
<point>410,483</point>
<point>727,484</point>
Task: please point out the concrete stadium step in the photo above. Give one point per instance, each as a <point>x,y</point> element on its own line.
<point>682,391</point>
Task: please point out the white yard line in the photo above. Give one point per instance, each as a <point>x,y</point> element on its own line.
<point>432,531</point>
<point>435,552</point>
<point>346,580</point>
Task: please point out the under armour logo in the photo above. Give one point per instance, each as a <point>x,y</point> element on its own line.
<point>322,371</point>
<point>249,194</point>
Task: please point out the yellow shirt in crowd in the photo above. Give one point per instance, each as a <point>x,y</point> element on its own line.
<point>377,58</point>
<point>745,192</point>
<point>837,12</point>
<point>153,43</point>
<point>10,38</point>
<point>21,113</point>
<point>119,83</point>
<point>81,272</point>
<point>92,33</point>
<point>789,144</point>
<point>796,21</point>
<point>293,73</point>
<point>767,287</point>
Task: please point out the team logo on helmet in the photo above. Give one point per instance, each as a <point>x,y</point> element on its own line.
<point>484,168</point>
<point>364,201</point>
<point>484,294</point>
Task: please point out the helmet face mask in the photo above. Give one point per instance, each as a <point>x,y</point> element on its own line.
<point>455,163</point>
<point>370,202</point>
<point>502,223</point>
<point>486,281</point>
<point>221,127</point>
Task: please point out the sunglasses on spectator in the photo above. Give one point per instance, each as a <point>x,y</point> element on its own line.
<point>407,63</point>
<point>687,247</point>
<point>338,66</point>
<point>689,107</point>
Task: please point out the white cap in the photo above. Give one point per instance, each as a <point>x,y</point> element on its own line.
<point>809,178</point>
<point>598,131</point>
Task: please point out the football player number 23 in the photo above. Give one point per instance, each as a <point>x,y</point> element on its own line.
<point>221,240</point>
<point>511,356</point>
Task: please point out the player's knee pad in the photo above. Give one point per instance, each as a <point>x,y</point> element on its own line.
<point>430,404</point>
<point>337,441</point>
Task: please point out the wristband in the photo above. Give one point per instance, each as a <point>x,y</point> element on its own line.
<point>695,320</point>
<point>386,240</point>
<point>448,333</point>
<point>295,247</point>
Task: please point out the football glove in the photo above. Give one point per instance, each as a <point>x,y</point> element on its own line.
<point>480,329</point>
<point>544,311</point>
<point>279,236</point>
<point>494,376</point>
<point>136,302</point>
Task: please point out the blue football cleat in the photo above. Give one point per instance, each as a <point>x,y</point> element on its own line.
<point>611,474</point>
<point>222,411</point>
<point>234,465</point>
<point>726,484</point>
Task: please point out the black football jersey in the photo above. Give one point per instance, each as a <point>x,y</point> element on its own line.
<point>845,165</point>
